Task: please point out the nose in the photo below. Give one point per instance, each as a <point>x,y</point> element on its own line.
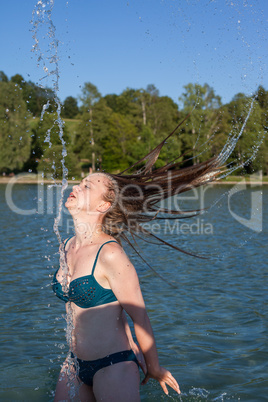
<point>76,188</point>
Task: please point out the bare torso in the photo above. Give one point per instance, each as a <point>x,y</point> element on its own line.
<point>98,331</point>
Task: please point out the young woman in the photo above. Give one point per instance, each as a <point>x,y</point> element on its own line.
<point>100,282</point>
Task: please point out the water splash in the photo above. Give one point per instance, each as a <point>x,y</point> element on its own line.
<point>231,144</point>
<point>73,366</point>
<point>199,392</point>
<point>42,16</point>
<point>41,19</point>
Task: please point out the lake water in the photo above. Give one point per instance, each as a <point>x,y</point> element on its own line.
<point>211,331</point>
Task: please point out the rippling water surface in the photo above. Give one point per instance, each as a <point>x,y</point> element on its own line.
<point>211,331</point>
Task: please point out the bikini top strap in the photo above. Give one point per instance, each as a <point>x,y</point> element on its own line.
<point>95,262</point>
<point>67,241</point>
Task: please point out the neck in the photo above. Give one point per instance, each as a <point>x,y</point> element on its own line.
<point>87,230</point>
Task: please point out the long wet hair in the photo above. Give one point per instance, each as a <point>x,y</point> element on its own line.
<point>135,195</point>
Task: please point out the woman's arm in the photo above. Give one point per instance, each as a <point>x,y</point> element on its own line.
<point>135,347</point>
<point>124,282</point>
<point>145,337</point>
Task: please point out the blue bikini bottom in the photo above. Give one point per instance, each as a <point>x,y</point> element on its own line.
<point>88,368</point>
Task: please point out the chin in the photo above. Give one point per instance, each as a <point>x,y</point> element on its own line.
<point>67,204</point>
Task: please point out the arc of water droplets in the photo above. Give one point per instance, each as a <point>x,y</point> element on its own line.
<point>42,14</point>
<point>231,143</point>
<point>222,158</point>
<point>230,146</point>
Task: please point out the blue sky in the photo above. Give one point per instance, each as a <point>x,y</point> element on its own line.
<point>117,44</point>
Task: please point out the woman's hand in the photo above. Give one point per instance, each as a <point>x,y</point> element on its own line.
<point>139,355</point>
<point>164,377</point>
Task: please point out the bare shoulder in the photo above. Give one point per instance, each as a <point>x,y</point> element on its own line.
<point>112,252</point>
<point>114,257</point>
<point>122,276</point>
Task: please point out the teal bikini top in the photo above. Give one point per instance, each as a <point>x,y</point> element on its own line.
<point>85,291</point>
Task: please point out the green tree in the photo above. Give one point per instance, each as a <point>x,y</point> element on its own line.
<point>18,79</point>
<point>90,95</point>
<point>70,108</point>
<point>128,104</point>
<point>3,77</point>
<point>154,118</point>
<point>201,129</point>
<point>199,97</point>
<point>48,147</point>
<point>15,140</point>
<point>35,96</point>
<point>118,143</point>
<point>262,98</point>
<point>82,144</point>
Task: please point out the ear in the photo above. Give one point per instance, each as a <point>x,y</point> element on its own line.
<point>103,207</point>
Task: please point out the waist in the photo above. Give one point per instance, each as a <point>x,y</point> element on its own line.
<point>98,332</point>
<point>96,350</point>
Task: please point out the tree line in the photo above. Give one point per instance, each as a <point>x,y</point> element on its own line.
<point>112,132</point>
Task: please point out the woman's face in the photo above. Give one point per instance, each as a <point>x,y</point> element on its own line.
<point>88,195</point>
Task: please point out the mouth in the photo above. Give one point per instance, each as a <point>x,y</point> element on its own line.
<point>71,195</point>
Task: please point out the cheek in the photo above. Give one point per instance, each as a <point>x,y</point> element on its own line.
<point>85,201</point>
<point>95,199</point>
<point>89,201</point>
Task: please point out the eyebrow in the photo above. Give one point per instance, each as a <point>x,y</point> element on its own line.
<point>88,181</point>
